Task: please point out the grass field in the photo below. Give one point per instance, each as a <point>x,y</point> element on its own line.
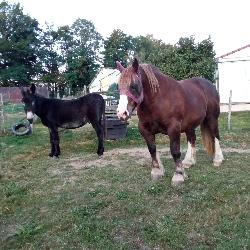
<point>83,202</point>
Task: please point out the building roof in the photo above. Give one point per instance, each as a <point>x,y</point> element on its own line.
<point>103,79</point>
<point>234,51</point>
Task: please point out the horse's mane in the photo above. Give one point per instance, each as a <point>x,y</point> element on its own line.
<point>127,75</point>
<point>153,82</point>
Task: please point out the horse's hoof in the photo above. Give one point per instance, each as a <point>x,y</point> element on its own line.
<point>217,163</point>
<point>157,174</point>
<point>186,165</point>
<point>178,179</point>
<point>56,157</point>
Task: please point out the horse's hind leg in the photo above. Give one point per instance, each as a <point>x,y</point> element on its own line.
<point>190,157</point>
<point>218,156</point>
<point>211,138</point>
<point>157,171</point>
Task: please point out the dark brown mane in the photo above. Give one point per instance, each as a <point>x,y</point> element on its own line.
<point>127,76</point>
<point>153,82</point>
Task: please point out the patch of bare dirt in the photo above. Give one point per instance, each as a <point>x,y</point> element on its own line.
<point>236,150</point>
<point>115,156</point>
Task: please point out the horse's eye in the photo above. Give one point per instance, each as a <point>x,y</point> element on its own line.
<point>135,88</point>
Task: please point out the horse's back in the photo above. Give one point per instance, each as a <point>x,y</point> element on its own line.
<point>202,87</point>
<point>212,96</point>
<point>201,99</point>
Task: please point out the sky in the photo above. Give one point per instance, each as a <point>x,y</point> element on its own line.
<point>225,21</point>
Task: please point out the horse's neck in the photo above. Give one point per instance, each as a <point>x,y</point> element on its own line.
<point>165,84</point>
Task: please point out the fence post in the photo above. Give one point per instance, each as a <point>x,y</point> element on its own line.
<point>229,111</point>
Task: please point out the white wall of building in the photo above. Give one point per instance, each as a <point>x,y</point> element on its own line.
<point>234,74</point>
<point>104,79</point>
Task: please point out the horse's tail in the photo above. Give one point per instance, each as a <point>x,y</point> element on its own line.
<point>207,138</point>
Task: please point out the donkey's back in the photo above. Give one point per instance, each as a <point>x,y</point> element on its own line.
<point>74,113</point>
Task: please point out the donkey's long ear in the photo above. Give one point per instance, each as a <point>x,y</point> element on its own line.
<point>135,65</point>
<point>22,91</point>
<point>33,88</point>
<point>119,66</point>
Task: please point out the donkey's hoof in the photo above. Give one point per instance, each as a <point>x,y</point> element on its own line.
<point>100,152</point>
<point>178,179</point>
<point>157,174</point>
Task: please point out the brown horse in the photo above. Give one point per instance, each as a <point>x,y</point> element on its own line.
<point>167,106</point>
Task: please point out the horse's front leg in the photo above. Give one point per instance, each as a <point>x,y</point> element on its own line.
<point>54,140</point>
<point>157,171</point>
<point>174,136</point>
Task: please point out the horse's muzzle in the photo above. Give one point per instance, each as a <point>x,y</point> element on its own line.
<point>124,116</point>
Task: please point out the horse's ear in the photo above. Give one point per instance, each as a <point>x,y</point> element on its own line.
<point>119,66</point>
<point>33,88</point>
<point>135,65</point>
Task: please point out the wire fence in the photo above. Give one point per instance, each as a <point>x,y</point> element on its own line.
<point>11,114</point>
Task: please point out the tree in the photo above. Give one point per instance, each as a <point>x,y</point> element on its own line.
<point>156,52</point>
<point>195,59</point>
<point>118,47</point>
<point>19,45</point>
<point>50,61</point>
<point>183,60</point>
<point>80,46</point>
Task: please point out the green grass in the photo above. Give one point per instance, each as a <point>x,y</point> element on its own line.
<point>57,204</point>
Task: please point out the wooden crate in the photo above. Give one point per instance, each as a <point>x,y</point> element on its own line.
<point>115,129</point>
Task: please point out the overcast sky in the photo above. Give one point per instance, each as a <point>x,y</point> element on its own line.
<point>226,21</point>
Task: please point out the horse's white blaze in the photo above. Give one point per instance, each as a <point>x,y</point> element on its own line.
<point>190,157</point>
<point>218,156</point>
<point>29,115</point>
<point>122,107</point>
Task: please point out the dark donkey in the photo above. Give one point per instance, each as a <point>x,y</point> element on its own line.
<point>167,106</point>
<point>68,114</point>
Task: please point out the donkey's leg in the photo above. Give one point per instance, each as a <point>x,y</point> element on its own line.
<point>190,157</point>
<point>174,136</point>
<point>100,135</point>
<point>157,171</point>
<point>55,148</point>
<point>52,151</point>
